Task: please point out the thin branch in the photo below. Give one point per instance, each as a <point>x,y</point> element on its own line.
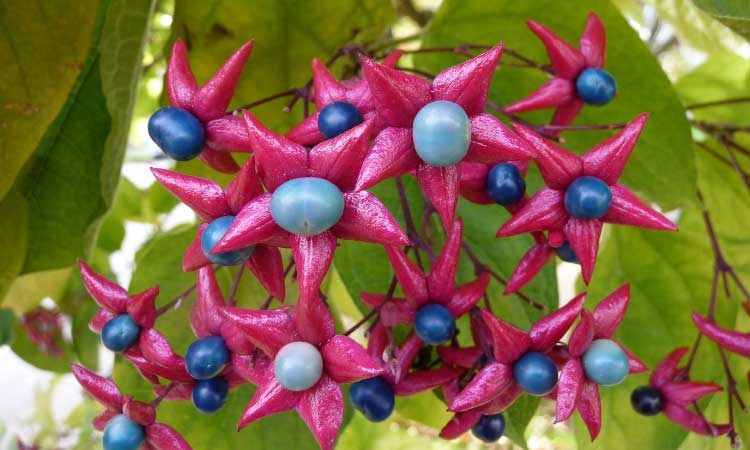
<point>726,101</point>
<point>376,310</point>
<point>411,229</point>
<point>231,298</point>
<point>155,402</point>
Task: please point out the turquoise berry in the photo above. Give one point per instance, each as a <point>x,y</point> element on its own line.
<point>535,373</point>
<point>213,234</point>
<point>490,428</point>
<point>298,366</point>
<point>373,397</point>
<point>338,117</point>
<point>596,86</point>
<point>122,433</point>
<point>565,252</point>
<point>442,133</point>
<point>177,132</point>
<point>434,324</point>
<point>588,198</point>
<point>605,363</point>
<point>505,184</point>
<point>206,357</point>
<point>210,395</point>
<point>307,206</point>
<point>120,333</point>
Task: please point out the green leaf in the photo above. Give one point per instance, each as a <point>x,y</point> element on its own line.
<point>13,222</point>
<point>733,13</point>
<point>661,167</point>
<point>7,318</point>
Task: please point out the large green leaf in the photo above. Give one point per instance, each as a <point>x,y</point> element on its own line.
<point>733,13</point>
<point>661,166</point>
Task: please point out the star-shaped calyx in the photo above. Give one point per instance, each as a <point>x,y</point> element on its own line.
<point>582,193</point>
<point>216,209</point>
<point>311,202</point>
<point>734,341</point>
<point>201,111</point>
<point>343,104</point>
<point>125,418</point>
<point>578,75</point>
<point>432,127</point>
<point>307,362</point>
<point>595,359</point>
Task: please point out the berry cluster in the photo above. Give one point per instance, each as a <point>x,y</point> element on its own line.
<point>308,189</point>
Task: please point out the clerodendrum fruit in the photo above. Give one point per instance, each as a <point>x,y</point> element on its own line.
<point>505,184</point>
<point>647,400</point>
<point>337,118</point>
<point>535,373</point>
<point>566,253</point>
<point>588,198</point>
<point>210,395</point>
<point>120,333</point>
<point>177,132</point>
<point>441,133</point>
<point>213,234</point>
<point>122,433</point>
<point>605,362</point>
<point>434,324</point>
<point>206,357</point>
<point>307,206</point>
<point>298,366</point>
<point>490,428</point>
<point>596,86</point>
<point>374,398</point>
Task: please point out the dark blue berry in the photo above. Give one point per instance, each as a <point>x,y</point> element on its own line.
<point>120,333</point>
<point>206,357</point>
<point>596,86</point>
<point>588,198</point>
<point>647,400</point>
<point>535,373</point>
<point>434,324</point>
<point>505,184</point>
<point>177,132</point>
<point>210,395</point>
<point>122,433</point>
<point>373,397</point>
<point>490,428</point>
<point>213,234</point>
<point>565,252</point>
<point>338,117</point>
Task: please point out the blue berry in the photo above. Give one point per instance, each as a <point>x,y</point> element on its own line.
<point>441,133</point>
<point>122,433</point>
<point>535,373</point>
<point>596,86</point>
<point>434,324</point>
<point>505,184</point>
<point>307,206</point>
<point>298,366</point>
<point>120,333</point>
<point>647,400</point>
<point>210,395</point>
<point>206,357</point>
<point>605,362</point>
<point>490,428</point>
<point>177,132</point>
<point>338,117</point>
<point>213,234</point>
<point>588,198</point>
<point>374,398</point>
<point>565,252</point>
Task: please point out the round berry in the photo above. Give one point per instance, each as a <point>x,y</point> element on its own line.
<point>122,433</point>
<point>213,234</point>
<point>505,184</point>
<point>177,132</point>
<point>206,357</point>
<point>647,400</point>
<point>307,206</point>
<point>441,133</point>
<point>535,373</point>
<point>210,395</point>
<point>434,324</point>
<point>605,363</point>
<point>596,86</point>
<point>374,398</point>
<point>120,333</point>
<point>490,428</point>
<point>338,117</point>
<point>298,366</point>
<point>565,252</point>
<point>588,198</point>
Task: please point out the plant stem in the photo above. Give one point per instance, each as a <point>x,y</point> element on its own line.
<point>230,301</point>
<point>726,101</point>
<point>155,402</point>
<point>269,299</point>
<point>374,311</point>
